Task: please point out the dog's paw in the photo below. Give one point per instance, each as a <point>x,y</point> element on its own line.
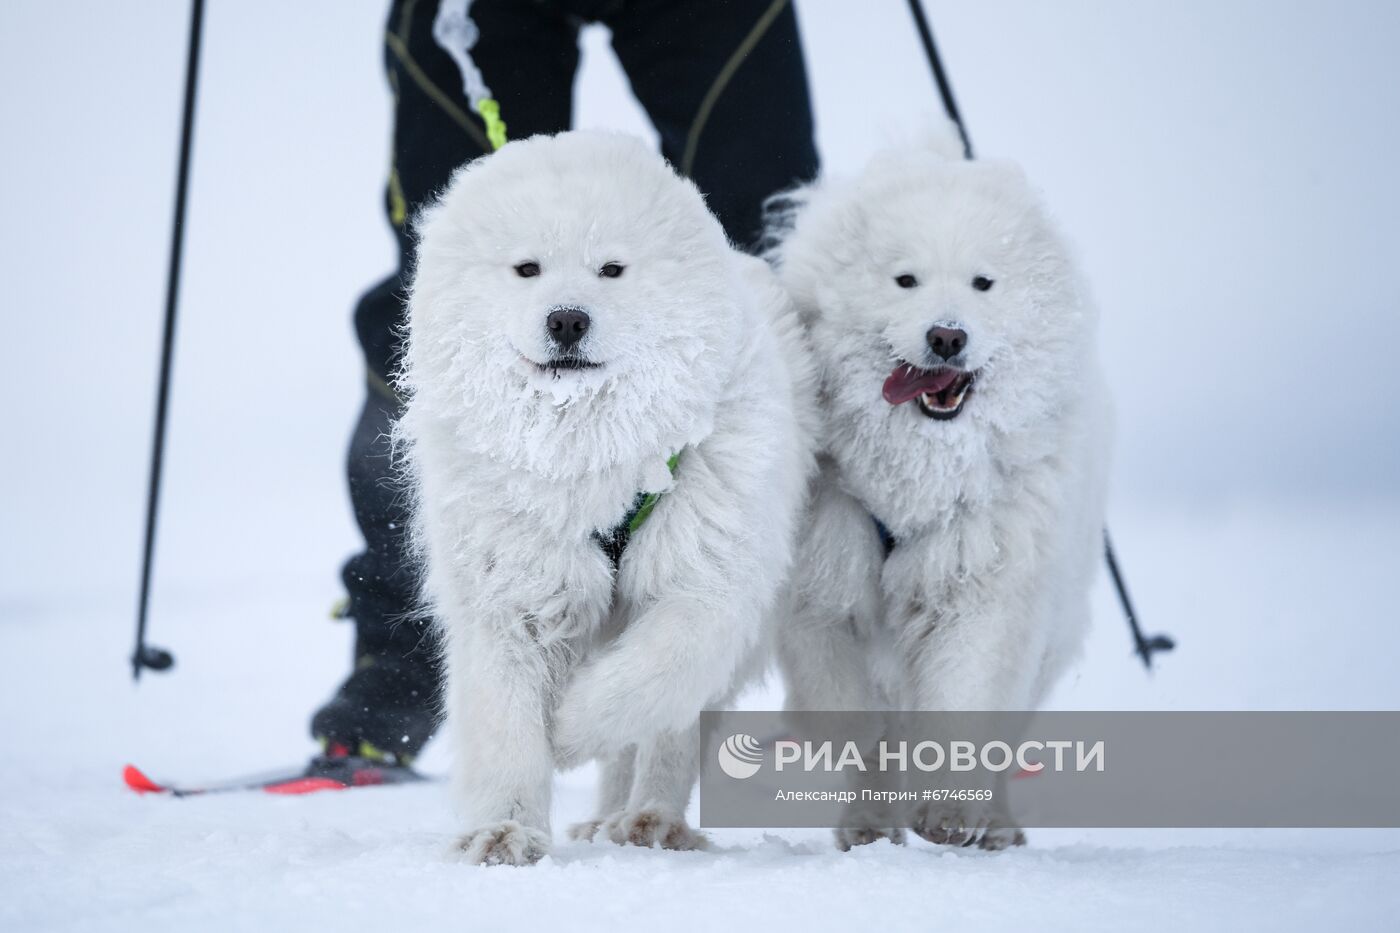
<point>505,843</point>
<point>967,824</point>
<point>848,839</point>
<point>585,831</point>
<point>653,828</point>
<point>999,836</point>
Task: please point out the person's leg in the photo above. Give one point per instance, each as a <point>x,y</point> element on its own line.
<point>725,84</point>
<point>527,54</point>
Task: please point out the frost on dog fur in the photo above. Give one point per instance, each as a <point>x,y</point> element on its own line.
<point>576,319</point>
<point>964,410</point>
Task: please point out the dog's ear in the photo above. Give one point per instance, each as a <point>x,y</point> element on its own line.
<point>779,216</point>
<point>1004,173</point>
<point>812,232</point>
<point>781,212</point>
<point>1006,181</point>
<point>942,139</point>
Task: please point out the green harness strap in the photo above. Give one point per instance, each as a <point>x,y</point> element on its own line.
<point>614,541</point>
<point>646,501</point>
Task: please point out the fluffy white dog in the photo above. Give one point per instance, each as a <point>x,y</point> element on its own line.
<point>956,525</point>
<point>587,353</point>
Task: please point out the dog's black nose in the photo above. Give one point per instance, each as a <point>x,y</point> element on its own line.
<point>567,326</point>
<point>946,342</point>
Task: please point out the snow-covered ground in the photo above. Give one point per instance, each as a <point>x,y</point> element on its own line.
<point>1225,170</point>
<point>79,851</point>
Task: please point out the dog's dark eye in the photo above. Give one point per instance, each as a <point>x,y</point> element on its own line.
<point>611,270</point>
<point>982,283</point>
<point>906,281</point>
<point>527,270</point>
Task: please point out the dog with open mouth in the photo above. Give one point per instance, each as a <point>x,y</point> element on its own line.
<point>956,523</point>
<point>608,436</point>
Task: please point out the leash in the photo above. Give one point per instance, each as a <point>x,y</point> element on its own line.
<point>1144,646</point>
<point>456,32</point>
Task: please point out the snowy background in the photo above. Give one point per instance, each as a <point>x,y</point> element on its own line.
<point>1226,172</point>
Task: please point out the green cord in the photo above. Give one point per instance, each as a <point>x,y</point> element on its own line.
<point>490,111</point>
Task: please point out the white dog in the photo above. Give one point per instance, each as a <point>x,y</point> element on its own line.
<point>587,353</point>
<point>955,529</point>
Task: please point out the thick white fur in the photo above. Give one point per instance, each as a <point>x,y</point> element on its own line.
<point>998,512</point>
<point>551,657</point>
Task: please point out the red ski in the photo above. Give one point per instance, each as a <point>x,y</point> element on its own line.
<point>341,772</point>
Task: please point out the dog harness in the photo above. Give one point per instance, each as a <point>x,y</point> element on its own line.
<point>614,541</point>
<point>886,536</point>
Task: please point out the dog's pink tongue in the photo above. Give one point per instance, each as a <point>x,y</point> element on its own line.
<point>906,382</point>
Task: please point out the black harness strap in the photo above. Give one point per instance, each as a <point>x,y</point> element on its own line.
<point>614,540</point>
<point>886,536</point>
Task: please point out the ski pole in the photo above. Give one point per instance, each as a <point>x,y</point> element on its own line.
<point>1145,646</point>
<point>144,655</point>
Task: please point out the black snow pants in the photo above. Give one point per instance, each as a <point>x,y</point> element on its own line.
<point>724,83</point>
